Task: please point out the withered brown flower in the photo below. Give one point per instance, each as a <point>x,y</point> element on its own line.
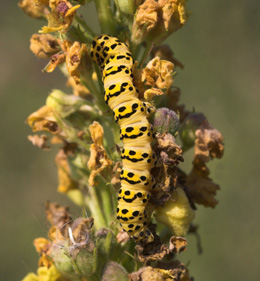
<point>44,45</point>
<point>61,16</point>
<point>98,160</point>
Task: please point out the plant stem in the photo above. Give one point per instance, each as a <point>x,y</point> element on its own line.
<point>105,16</point>
<point>91,33</point>
<point>94,205</point>
<point>146,52</point>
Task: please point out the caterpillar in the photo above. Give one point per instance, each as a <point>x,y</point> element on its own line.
<point>136,133</point>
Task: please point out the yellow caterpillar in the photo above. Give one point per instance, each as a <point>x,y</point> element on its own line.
<point>135,131</point>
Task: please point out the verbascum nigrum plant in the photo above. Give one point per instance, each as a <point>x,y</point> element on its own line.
<point>116,129</point>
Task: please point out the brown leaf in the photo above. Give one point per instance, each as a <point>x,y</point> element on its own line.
<point>58,216</point>
<point>152,251</point>
<point>170,152</point>
<point>44,45</point>
<point>201,188</point>
<point>40,141</point>
<point>208,144</point>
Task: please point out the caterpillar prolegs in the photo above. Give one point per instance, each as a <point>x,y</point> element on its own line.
<point>135,131</point>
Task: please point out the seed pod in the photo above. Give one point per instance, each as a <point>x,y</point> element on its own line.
<point>114,272</point>
<point>166,120</point>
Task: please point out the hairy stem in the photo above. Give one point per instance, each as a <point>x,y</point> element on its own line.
<point>105,16</point>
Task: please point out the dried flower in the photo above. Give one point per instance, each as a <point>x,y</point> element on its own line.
<point>32,10</point>
<point>40,141</point>
<point>66,183</point>
<point>44,45</point>
<point>43,120</point>
<point>158,73</point>
<point>61,16</point>
<point>98,160</point>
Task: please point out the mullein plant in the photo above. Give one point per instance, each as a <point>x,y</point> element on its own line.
<point>94,247</point>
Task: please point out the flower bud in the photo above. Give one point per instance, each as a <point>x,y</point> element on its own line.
<point>87,262</point>
<point>176,214</point>
<point>188,127</point>
<point>166,120</point>
<point>125,6</point>
<point>106,242</point>
<point>63,262</point>
<point>114,272</point>
<point>64,104</point>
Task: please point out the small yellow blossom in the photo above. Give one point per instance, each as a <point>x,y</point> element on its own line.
<point>45,274</point>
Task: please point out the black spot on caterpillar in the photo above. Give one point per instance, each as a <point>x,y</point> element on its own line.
<point>131,114</point>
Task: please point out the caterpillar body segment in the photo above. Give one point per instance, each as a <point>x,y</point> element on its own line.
<point>136,134</point>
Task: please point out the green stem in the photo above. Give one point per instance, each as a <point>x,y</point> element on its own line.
<point>105,16</point>
<point>106,202</point>
<point>94,205</point>
<point>90,32</point>
<point>146,52</point>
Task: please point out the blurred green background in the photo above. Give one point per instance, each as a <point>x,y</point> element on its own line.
<point>219,47</point>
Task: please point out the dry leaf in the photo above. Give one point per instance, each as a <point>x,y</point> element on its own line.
<point>208,144</point>
<point>201,188</point>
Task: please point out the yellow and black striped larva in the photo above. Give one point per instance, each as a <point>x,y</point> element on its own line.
<point>135,131</point>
